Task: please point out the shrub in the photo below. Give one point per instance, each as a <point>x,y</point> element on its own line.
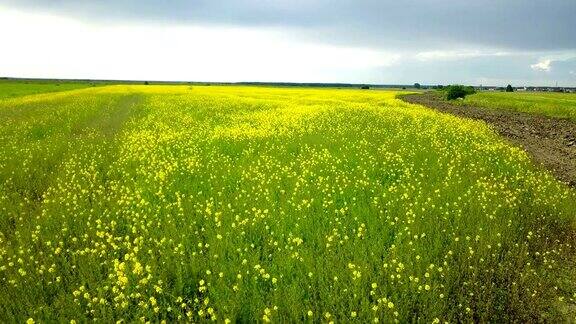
<point>509,88</point>
<point>458,91</point>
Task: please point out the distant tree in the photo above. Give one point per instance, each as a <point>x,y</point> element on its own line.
<point>365,87</point>
<point>417,85</point>
<point>146,83</point>
<point>509,88</point>
<point>458,91</point>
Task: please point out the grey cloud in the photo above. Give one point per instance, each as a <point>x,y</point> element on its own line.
<point>528,31</point>
<point>563,66</point>
<point>531,25</point>
<point>487,70</point>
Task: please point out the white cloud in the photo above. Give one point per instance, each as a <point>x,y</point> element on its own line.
<point>543,65</point>
<point>57,47</point>
<point>456,55</point>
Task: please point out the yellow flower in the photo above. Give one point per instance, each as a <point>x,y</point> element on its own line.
<point>138,268</point>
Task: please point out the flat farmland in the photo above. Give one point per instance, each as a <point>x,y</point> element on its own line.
<point>559,105</point>
<point>255,204</point>
<point>13,89</point>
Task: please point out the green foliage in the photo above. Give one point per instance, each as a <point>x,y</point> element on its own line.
<point>13,89</point>
<point>509,88</point>
<point>458,91</point>
<point>150,203</point>
<point>561,105</point>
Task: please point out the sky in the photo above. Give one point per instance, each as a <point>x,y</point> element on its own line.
<point>488,42</point>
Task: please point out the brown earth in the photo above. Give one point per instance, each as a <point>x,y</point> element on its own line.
<point>550,141</point>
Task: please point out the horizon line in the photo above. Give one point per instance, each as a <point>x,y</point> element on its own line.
<point>287,83</point>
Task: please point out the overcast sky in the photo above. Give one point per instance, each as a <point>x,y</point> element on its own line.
<point>490,42</point>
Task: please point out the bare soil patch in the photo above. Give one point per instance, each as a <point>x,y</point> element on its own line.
<point>550,141</point>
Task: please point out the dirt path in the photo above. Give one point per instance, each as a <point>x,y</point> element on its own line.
<point>550,141</point>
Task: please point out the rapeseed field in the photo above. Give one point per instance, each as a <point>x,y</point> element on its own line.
<point>253,204</point>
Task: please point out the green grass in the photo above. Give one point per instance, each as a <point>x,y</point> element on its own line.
<point>560,105</point>
<point>256,204</point>
<point>13,89</point>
